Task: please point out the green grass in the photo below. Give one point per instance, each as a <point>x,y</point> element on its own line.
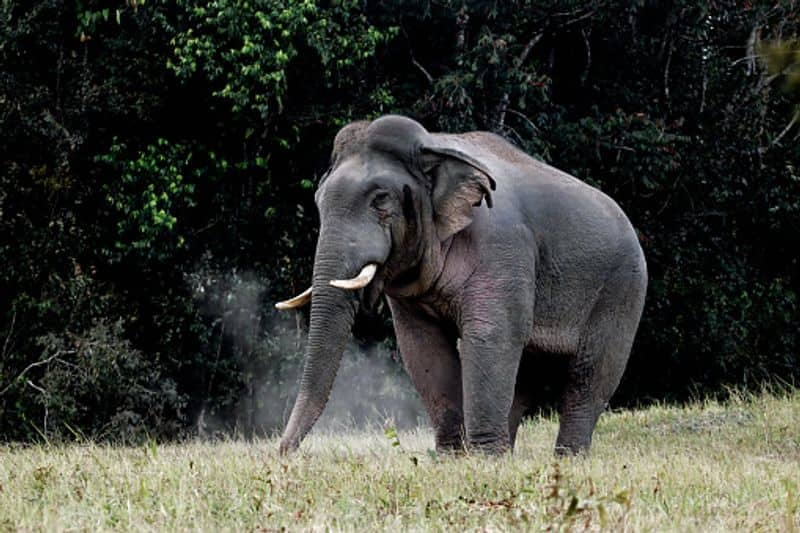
<point>704,467</point>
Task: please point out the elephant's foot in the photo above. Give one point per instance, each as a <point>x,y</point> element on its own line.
<point>493,448</point>
<point>575,432</point>
<point>288,446</point>
<point>450,448</point>
<point>572,449</point>
<point>450,440</point>
<point>488,444</point>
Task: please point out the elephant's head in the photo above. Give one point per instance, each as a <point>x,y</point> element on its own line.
<point>393,195</point>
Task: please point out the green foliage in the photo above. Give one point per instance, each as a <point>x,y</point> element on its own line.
<point>138,402</point>
<point>148,193</point>
<point>244,49</point>
<point>157,161</point>
<point>783,59</point>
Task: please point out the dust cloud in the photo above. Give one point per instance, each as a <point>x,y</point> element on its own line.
<point>371,388</point>
<point>256,358</point>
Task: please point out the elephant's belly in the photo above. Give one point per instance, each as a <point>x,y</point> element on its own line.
<point>559,319</point>
<point>565,296</point>
<point>555,339</point>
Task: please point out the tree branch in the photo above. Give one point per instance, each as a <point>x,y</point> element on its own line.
<point>34,365</point>
<point>36,387</point>
<point>752,43</point>
<point>704,86</point>
<point>666,73</point>
<point>585,75</point>
<point>524,118</point>
<point>788,127</point>
<point>422,69</point>
<point>575,20</point>
<point>533,41</point>
<point>499,116</point>
<point>461,21</point>
<point>10,333</point>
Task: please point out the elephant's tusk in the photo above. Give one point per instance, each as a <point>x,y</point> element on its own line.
<point>298,301</point>
<point>358,282</point>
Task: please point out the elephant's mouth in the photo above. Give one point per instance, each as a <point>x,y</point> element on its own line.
<point>407,277</point>
<point>360,281</point>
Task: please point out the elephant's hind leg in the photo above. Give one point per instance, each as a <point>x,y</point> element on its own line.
<point>595,371</point>
<point>518,410</point>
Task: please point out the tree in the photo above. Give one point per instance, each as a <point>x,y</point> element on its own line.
<point>157,163</point>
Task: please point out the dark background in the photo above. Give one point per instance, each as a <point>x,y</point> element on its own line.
<point>158,159</point>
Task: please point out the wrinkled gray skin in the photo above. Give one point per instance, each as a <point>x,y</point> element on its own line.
<point>553,267</point>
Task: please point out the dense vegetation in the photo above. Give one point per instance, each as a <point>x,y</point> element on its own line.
<point>157,163</point>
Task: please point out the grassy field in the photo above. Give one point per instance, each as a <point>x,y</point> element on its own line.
<point>705,467</point>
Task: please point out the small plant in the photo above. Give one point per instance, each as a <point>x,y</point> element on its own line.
<point>390,431</point>
<point>567,508</point>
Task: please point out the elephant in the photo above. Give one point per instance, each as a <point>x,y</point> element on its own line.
<point>489,260</point>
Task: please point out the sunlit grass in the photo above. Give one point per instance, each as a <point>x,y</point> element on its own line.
<point>704,467</point>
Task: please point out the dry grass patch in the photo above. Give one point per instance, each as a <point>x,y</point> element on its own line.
<point>706,466</point>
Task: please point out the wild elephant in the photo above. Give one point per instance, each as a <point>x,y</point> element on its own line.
<point>549,265</point>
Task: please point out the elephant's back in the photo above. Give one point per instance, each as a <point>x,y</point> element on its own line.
<point>488,147</point>
<point>566,215</point>
<point>544,195</point>
<point>516,171</point>
<point>581,235</point>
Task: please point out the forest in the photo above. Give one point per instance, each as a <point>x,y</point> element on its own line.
<point>158,161</point>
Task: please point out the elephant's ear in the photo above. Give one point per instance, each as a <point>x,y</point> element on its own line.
<point>459,183</point>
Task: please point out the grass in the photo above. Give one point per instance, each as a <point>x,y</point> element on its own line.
<point>702,467</point>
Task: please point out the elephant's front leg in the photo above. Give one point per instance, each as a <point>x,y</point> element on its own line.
<point>491,348</point>
<point>431,359</point>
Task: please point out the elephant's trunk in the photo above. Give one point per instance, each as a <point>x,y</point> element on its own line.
<point>332,312</point>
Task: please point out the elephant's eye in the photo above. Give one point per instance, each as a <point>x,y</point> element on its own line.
<point>381,201</point>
